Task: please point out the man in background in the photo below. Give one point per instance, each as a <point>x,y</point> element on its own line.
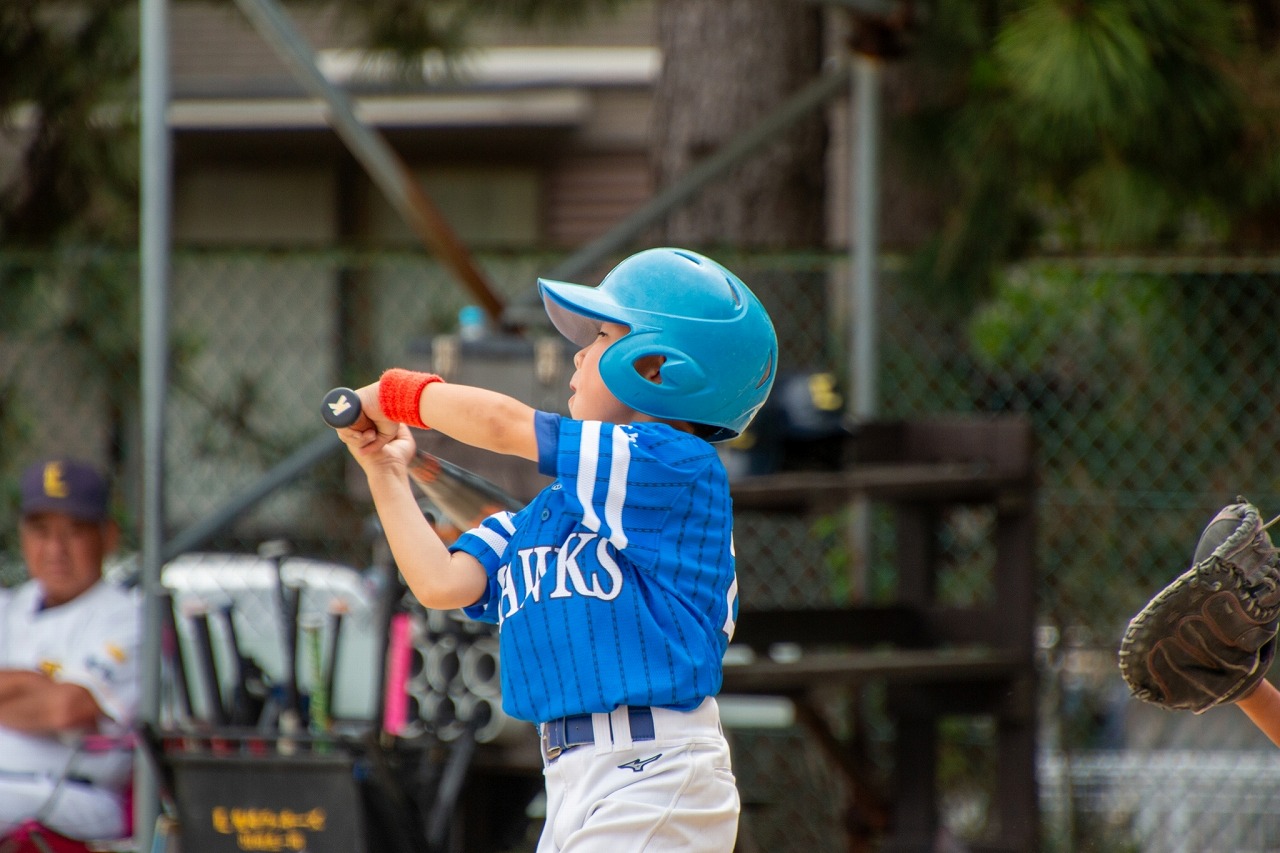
<point>69,648</point>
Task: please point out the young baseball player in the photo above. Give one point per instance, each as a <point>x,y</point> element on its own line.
<point>614,589</point>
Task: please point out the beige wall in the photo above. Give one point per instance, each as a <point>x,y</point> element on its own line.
<point>487,206</point>
<point>510,165</point>
<point>244,205</point>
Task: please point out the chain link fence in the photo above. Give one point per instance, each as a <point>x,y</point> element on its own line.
<point>1146,380</point>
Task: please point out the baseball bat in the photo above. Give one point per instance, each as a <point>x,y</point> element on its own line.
<point>450,789</point>
<point>464,498</point>
<point>389,606</point>
<point>171,647</point>
<point>198,615</point>
<point>240,712</point>
<point>395,706</point>
<point>275,550</point>
<point>341,408</point>
<point>337,609</point>
<point>293,610</point>
<point>318,707</point>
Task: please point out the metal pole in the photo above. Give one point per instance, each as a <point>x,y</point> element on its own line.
<point>156,153</point>
<point>863,350</point>
<point>864,362</point>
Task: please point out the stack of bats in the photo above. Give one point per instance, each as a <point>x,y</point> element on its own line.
<point>442,670</point>
<point>219,683</point>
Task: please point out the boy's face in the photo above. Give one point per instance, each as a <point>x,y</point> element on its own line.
<point>591,400</point>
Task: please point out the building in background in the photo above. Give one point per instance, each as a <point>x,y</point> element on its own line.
<point>538,139</point>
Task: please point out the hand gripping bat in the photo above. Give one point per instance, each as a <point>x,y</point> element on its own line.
<point>463,497</point>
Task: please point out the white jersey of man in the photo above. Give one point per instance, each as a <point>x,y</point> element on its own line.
<point>92,641</point>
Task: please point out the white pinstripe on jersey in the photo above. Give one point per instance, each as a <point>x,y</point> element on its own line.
<point>586,484</point>
<point>617,494</point>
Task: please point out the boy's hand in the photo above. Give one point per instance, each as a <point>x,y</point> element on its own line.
<point>375,442</point>
<point>378,451</point>
<point>371,408</point>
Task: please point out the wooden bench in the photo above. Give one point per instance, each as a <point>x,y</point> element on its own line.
<point>936,660</point>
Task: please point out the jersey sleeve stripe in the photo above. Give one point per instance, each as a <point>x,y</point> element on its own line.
<point>493,538</point>
<point>616,496</point>
<point>588,461</point>
<point>729,623</point>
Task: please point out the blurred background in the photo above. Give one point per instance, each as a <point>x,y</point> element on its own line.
<point>1062,209</point>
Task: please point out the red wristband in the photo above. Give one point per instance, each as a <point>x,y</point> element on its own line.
<point>400,395</point>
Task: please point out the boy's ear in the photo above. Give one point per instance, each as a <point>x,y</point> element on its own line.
<point>650,367</point>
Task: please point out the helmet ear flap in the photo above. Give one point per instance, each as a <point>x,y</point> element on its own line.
<point>679,375</point>
<point>682,374</point>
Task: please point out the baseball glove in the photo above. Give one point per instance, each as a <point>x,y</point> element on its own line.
<point>1209,637</point>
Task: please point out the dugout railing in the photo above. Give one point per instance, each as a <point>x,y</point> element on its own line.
<point>933,660</point>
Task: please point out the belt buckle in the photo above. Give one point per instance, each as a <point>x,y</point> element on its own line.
<point>551,753</point>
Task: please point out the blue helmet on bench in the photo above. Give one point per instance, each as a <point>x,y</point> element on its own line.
<point>719,346</point>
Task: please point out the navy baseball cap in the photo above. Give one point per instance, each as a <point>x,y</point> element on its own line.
<point>66,486</point>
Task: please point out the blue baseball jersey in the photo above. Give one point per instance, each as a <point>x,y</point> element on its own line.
<point>616,584</point>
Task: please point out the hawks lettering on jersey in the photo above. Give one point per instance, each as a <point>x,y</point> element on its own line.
<point>616,584</point>
<point>525,577</point>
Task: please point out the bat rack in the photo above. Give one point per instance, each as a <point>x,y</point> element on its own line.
<point>243,780</point>
<point>934,660</point>
<point>351,790</point>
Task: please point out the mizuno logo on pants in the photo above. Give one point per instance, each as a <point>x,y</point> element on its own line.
<point>640,763</point>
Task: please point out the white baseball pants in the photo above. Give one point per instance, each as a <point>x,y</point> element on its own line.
<point>674,793</point>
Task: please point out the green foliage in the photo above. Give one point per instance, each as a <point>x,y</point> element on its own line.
<point>832,530</point>
<point>1129,85</point>
<point>1148,386</point>
<point>1082,70</point>
<point>1042,317</point>
<point>1085,125</point>
<point>65,64</point>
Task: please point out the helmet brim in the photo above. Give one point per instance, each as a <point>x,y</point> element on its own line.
<point>577,310</point>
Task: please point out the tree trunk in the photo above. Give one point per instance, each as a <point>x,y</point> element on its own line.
<point>726,65</point>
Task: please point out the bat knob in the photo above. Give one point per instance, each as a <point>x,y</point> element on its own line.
<point>340,408</point>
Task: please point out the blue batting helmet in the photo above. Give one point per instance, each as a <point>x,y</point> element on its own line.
<point>720,349</point>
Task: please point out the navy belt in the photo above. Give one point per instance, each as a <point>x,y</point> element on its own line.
<point>563,734</point>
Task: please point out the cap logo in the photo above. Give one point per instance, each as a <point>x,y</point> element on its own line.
<point>54,485</point>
